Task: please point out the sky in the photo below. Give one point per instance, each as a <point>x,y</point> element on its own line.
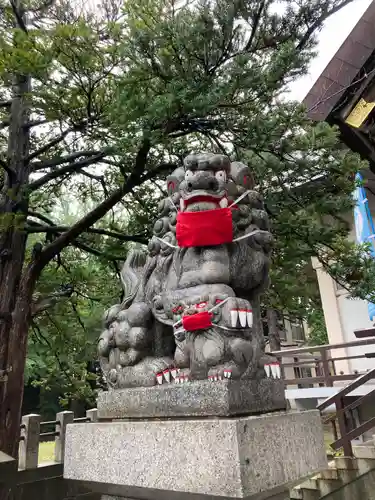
<point>331,37</point>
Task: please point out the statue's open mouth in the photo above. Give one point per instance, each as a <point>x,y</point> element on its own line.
<point>202,202</point>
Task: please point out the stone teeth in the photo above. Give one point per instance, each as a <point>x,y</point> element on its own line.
<point>278,370</point>
<point>167,375</point>
<point>242,316</point>
<point>223,203</point>
<point>159,378</point>
<point>182,204</point>
<point>177,380</point>
<point>174,372</point>
<point>227,373</point>
<point>215,378</point>
<point>234,317</point>
<point>267,369</point>
<point>249,318</point>
<point>273,370</point>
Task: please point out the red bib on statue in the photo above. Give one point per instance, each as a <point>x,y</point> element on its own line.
<point>199,321</point>
<point>204,229</point>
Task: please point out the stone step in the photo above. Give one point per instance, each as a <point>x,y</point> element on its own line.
<point>296,493</point>
<point>365,465</point>
<point>310,494</point>
<point>346,476</point>
<point>329,474</point>
<point>299,493</point>
<point>327,486</point>
<point>310,484</point>
<point>364,451</point>
<point>345,463</point>
<point>341,471</point>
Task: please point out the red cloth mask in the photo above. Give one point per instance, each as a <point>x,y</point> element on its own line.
<point>206,228</point>
<point>199,321</point>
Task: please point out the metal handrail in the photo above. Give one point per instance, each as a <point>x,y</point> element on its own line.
<point>347,433</point>
<point>360,380</point>
<point>322,348</point>
<point>323,359</point>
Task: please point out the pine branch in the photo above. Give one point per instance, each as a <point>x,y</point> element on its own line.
<point>254,28</point>
<point>71,168</point>
<point>8,170</point>
<point>19,15</point>
<point>97,253</point>
<point>98,178</point>
<point>44,6</point>
<point>41,165</point>
<point>138,238</point>
<point>35,123</point>
<point>301,45</point>
<point>42,303</point>
<point>49,145</point>
<point>55,141</point>
<point>98,212</point>
<point>41,217</point>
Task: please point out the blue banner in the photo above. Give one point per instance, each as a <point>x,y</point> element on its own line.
<point>364,226</point>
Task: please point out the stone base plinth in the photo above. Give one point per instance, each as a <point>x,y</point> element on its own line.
<point>285,495</point>
<point>253,457</point>
<point>200,398</point>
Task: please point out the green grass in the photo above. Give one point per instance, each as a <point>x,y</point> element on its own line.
<point>46,452</point>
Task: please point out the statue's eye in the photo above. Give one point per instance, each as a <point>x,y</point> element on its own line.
<point>188,175</point>
<point>221,176</point>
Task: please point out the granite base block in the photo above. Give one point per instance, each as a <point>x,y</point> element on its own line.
<point>285,495</point>
<point>200,398</point>
<point>251,457</point>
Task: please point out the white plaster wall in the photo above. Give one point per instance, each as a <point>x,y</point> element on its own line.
<point>354,316</point>
<point>332,315</point>
<point>354,313</point>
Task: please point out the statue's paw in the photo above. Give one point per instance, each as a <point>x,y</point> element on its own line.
<point>222,372</point>
<point>271,366</point>
<point>142,374</point>
<point>183,376</point>
<point>173,375</point>
<point>262,241</point>
<point>237,313</point>
<point>167,376</point>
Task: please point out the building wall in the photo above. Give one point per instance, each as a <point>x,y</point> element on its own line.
<point>343,314</point>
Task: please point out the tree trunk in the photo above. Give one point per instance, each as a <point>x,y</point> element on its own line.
<point>11,389</point>
<point>16,291</point>
<point>273,330</point>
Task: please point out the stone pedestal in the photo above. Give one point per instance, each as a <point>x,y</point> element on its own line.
<point>188,457</point>
<point>225,398</point>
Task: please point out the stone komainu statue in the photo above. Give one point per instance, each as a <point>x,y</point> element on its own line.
<point>192,303</point>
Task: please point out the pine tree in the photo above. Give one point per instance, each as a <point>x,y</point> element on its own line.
<point>101,104</point>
